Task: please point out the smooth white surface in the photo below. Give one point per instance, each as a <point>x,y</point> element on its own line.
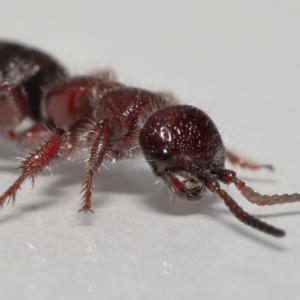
<point>237,60</point>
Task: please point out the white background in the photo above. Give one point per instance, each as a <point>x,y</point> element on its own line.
<point>237,60</point>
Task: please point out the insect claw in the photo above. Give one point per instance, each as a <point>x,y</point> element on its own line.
<point>85,210</point>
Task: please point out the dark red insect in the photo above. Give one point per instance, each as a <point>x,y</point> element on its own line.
<point>181,143</point>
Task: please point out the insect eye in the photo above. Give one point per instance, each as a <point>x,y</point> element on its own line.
<point>162,155</point>
<point>162,158</point>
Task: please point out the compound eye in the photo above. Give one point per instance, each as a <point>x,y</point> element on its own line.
<point>162,154</point>
<point>162,157</point>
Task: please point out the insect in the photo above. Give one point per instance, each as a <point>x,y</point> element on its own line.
<point>112,121</point>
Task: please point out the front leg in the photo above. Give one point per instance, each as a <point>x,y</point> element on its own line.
<point>245,163</point>
<point>100,138</point>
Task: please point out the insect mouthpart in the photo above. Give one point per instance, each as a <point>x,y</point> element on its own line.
<point>185,185</point>
<point>194,186</point>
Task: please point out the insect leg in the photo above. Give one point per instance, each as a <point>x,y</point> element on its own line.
<point>245,163</point>
<point>100,138</point>
<point>36,162</point>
